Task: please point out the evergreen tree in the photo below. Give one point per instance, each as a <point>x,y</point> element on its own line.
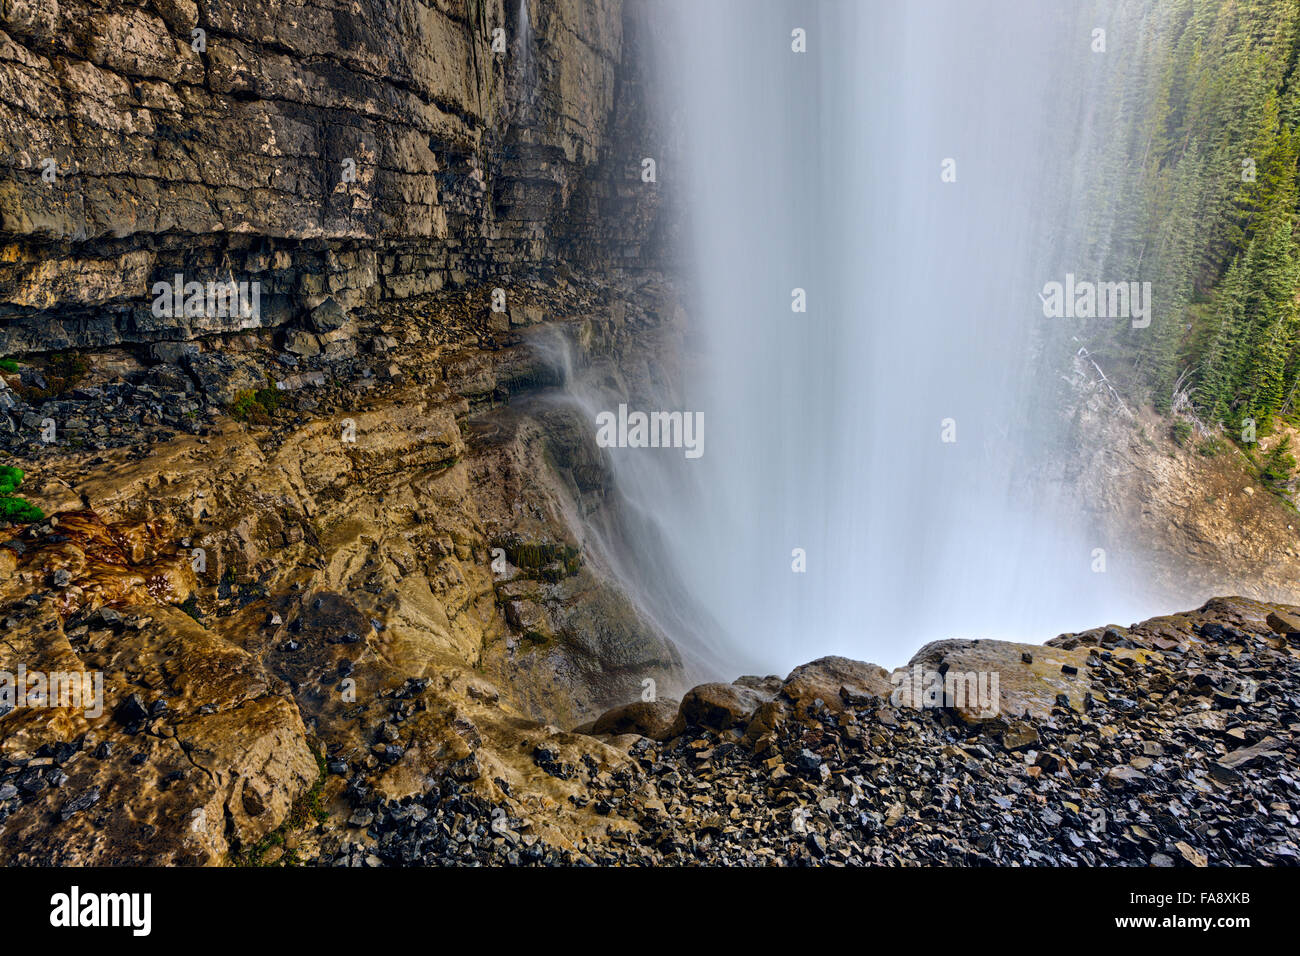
<point>1201,166</point>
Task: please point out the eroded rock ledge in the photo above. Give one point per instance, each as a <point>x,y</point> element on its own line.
<point>373,565</point>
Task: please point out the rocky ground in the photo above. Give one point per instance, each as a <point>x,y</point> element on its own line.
<point>333,564</point>
<point>1170,743</point>
<point>401,649</point>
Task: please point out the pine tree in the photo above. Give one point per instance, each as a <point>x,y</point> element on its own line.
<point>1213,390</point>
<point>1206,152</point>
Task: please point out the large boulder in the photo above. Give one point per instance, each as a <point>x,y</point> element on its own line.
<point>329,316</point>
<point>1285,622</point>
<point>833,679</point>
<point>1028,678</point>
<point>221,377</point>
<point>653,719</point>
<point>720,706</point>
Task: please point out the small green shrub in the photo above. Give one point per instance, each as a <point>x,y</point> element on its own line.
<point>14,509</point>
<point>1181,432</point>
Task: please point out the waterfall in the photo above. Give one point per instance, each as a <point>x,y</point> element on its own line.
<point>525,67</point>
<point>895,432</point>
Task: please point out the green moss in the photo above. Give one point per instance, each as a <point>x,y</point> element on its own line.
<point>255,854</point>
<point>61,371</point>
<point>257,406</point>
<point>8,365</point>
<point>12,508</point>
<point>310,807</point>
<point>541,560</point>
<point>10,479</point>
<point>19,510</point>
<point>306,810</point>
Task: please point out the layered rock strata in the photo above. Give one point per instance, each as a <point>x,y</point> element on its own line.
<point>361,152</point>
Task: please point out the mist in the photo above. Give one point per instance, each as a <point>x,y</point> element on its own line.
<point>873,476</point>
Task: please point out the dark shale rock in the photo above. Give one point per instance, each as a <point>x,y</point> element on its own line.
<point>1284,623</point>
<point>328,316</point>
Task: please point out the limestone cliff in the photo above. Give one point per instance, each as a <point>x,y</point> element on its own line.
<point>367,151</point>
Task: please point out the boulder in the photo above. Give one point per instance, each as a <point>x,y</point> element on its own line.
<point>1284,622</point>
<point>767,720</point>
<point>720,706</point>
<point>832,679</point>
<point>1124,778</point>
<point>328,316</point>
<point>1019,736</point>
<point>1024,687</point>
<point>222,377</point>
<point>653,719</point>
<point>1250,756</point>
<point>530,619</point>
<point>339,350</point>
<point>301,342</point>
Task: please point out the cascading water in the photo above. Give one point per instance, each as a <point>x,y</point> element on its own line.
<point>892,432</point>
<point>525,65</point>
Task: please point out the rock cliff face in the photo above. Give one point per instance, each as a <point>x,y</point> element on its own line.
<point>387,571</point>
<point>367,151</point>
<point>344,530</point>
<point>1183,520</point>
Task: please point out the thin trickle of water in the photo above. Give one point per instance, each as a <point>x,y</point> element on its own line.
<point>627,534</point>
<point>525,65</point>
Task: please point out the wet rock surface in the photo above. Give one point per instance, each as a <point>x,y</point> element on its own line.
<point>290,719</point>
<point>329,599</point>
<point>325,558</point>
<point>1178,757</point>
